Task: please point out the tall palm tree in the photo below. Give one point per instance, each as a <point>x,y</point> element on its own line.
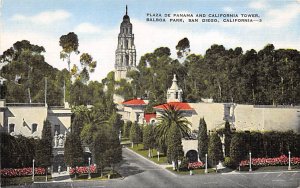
<point>171,114</point>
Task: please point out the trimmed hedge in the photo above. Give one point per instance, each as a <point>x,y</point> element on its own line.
<point>271,144</point>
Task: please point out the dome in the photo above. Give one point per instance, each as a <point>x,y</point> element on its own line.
<point>126,17</point>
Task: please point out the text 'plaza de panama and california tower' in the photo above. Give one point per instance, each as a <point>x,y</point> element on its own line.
<point>125,53</point>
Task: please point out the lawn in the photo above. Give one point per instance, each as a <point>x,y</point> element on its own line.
<point>97,176</point>
<point>195,172</point>
<point>23,180</point>
<point>140,150</point>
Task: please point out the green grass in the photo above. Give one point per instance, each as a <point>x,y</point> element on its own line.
<point>23,180</point>
<point>140,150</point>
<point>97,176</point>
<point>195,172</point>
<point>125,141</point>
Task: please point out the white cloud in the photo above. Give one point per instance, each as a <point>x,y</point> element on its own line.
<point>148,37</point>
<point>228,9</point>
<point>258,4</point>
<point>281,17</point>
<point>169,35</point>
<point>46,17</point>
<point>271,18</point>
<point>87,28</point>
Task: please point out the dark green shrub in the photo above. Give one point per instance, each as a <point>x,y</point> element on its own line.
<point>229,163</point>
<point>184,164</point>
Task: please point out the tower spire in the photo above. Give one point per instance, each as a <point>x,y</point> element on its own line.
<point>126,9</point>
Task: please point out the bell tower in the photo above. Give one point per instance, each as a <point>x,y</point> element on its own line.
<point>174,93</point>
<point>125,53</point>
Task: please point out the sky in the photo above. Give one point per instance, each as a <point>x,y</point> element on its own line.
<point>97,25</point>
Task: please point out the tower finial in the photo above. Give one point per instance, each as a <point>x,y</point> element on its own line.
<point>126,9</point>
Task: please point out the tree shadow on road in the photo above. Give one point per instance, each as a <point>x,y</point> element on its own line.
<point>125,169</point>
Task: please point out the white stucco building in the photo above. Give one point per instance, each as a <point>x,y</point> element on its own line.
<point>240,116</point>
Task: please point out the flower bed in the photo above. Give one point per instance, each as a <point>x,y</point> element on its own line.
<point>277,161</point>
<point>196,165</point>
<point>18,172</point>
<point>83,170</point>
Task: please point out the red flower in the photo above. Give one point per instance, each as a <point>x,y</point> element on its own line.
<point>196,165</point>
<point>83,170</point>
<point>18,172</point>
<point>282,160</point>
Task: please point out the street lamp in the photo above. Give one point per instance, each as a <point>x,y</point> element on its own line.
<point>250,169</point>
<point>289,168</point>
<point>33,170</point>
<point>89,168</point>
<point>205,163</point>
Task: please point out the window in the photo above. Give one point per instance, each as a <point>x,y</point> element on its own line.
<point>176,95</point>
<point>137,117</point>
<point>11,128</point>
<point>57,129</point>
<point>33,128</point>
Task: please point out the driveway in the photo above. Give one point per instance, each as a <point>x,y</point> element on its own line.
<point>140,173</point>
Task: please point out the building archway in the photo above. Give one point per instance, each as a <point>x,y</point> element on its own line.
<point>59,160</point>
<point>86,156</point>
<point>192,155</point>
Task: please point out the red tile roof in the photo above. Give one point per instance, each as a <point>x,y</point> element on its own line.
<point>178,105</point>
<point>149,116</point>
<point>134,102</point>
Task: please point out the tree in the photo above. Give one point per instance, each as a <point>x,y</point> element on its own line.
<point>16,152</point>
<point>202,139</point>
<point>183,47</point>
<point>215,153</point>
<point>149,138</point>
<point>171,115</point>
<point>237,148</point>
<point>127,127</point>
<point>43,153</point>
<point>87,66</point>
<point>227,139</point>
<point>100,145</point>
<point>73,151</point>
<point>25,72</point>
<point>113,154</point>
<point>3,89</point>
<point>135,133</point>
<point>69,44</point>
<point>175,150</point>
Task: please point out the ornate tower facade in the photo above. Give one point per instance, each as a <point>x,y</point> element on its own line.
<point>174,93</point>
<point>125,53</point>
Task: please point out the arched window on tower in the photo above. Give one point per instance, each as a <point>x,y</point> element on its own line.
<point>126,44</point>
<point>127,60</point>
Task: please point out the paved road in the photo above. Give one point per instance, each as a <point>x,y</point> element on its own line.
<point>141,173</point>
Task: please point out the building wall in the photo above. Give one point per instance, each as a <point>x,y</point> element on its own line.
<point>130,114</point>
<point>246,117</point>
<point>61,117</point>
<point>249,117</point>
<point>188,145</point>
<point>24,116</point>
<point>213,114</point>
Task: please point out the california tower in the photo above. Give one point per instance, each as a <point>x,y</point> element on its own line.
<point>125,53</point>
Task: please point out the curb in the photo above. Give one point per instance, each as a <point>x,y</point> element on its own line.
<point>151,162</point>
<point>261,172</point>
